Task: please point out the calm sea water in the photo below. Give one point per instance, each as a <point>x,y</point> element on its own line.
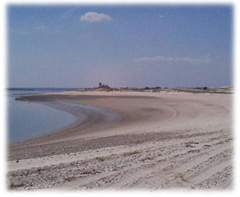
<point>27,119</point>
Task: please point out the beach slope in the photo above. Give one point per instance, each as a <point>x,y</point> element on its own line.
<point>129,140</point>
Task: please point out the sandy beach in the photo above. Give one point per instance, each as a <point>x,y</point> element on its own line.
<point>129,140</point>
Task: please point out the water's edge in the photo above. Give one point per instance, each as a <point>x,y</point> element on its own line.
<point>78,118</point>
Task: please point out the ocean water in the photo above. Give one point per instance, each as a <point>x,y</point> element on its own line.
<point>28,119</point>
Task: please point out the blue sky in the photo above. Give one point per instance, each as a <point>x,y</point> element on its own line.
<point>137,46</point>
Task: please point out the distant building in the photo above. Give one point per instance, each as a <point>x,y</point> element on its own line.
<point>101,85</point>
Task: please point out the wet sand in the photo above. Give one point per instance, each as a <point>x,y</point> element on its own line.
<point>132,140</point>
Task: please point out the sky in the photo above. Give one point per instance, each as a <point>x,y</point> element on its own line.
<point>134,46</point>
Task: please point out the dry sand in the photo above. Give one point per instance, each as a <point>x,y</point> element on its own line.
<point>132,140</point>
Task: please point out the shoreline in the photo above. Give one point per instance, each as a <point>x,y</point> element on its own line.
<point>83,114</point>
<point>165,123</point>
<point>67,107</point>
<point>59,108</point>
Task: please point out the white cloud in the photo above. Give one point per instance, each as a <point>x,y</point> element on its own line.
<point>160,16</point>
<point>95,17</point>
<point>174,59</point>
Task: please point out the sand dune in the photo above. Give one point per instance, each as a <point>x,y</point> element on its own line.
<point>135,140</point>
